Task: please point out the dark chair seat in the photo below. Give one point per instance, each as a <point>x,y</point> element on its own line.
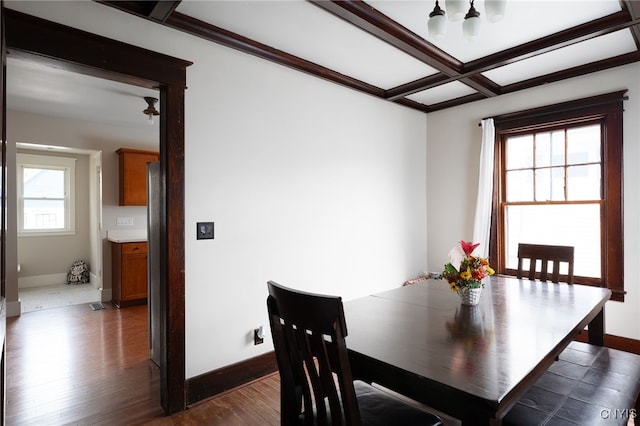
<point>379,408</point>
<point>588,385</point>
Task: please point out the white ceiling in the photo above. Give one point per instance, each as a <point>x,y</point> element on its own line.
<point>310,32</point>
<point>54,92</point>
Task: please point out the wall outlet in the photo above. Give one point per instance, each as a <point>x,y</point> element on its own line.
<point>258,336</point>
<point>124,221</point>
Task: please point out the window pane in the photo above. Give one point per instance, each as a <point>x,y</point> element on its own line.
<point>43,214</point>
<point>519,152</point>
<point>550,149</point>
<point>564,225</point>
<point>550,184</point>
<point>43,183</point>
<point>583,182</point>
<point>583,145</point>
<point>520,185</point>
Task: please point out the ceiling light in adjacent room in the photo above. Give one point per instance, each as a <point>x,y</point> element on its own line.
<point>151,108</point>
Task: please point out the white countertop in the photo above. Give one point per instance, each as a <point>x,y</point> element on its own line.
<point>127,236</point>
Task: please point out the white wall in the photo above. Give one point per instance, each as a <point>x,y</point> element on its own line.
<point>310,184</point>
<point>453,147</point>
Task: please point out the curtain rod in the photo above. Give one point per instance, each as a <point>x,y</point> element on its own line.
<point>570,106</point>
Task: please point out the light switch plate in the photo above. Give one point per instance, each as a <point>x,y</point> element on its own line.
<point>204,230</point>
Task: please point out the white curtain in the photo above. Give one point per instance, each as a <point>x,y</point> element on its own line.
<point>482,220</point>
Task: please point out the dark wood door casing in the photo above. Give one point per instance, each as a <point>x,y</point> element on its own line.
<point>3,212</point>
<point>64,47</point>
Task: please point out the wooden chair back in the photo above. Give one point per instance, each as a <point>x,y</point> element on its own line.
<point>545,254</point>
<point>309,333</point>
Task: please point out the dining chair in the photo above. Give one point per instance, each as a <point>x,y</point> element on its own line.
<point>317,387</point>
<point>545,254</point>
<point>587,384</point>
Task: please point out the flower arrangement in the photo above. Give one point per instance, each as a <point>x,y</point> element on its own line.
<point>472,269</point>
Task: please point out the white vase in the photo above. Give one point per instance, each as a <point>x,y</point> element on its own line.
<point>469,296</point>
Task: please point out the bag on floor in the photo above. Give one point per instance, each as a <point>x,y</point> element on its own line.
<point>78,273</point>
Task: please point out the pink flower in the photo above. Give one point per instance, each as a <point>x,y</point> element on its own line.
<point>468,247</point>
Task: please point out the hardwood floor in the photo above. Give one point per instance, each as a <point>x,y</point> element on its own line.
<point>73,365</point>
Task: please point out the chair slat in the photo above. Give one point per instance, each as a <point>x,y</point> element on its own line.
<point>545,253</point>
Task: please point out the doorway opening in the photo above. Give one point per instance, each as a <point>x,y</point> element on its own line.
<point>45,258</point>
<point>117,61</point>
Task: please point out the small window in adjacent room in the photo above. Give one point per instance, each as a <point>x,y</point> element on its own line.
<point>45,195</point>
<point>559,182</point>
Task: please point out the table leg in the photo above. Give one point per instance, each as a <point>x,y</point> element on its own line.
<point>596,330</point>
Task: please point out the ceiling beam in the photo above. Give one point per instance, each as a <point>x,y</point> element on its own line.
<point>593,29</point>
<point>602,65</point>
<point>624,59</point>
<point>368,19</point>
<point>633,9</point>
<point>596,28</point>
<point>163,9</point>
<point>455,102</point>
<point>157,11</point>
<point>198,28</point>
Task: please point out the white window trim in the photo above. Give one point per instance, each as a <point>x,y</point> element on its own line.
<point>44,161</point>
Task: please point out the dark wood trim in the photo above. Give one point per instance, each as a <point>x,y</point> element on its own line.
<point>586,31</point>
<point>559,111</point>
<point>614,342</point>
<point>633,9</point>
<point>3,216</point>
<point>218,381</point>
<point>455,102</point>
<point>79,51</point>
<point>201,29</point>
<point>91,54</point>
<point>625,59</point>
<point>416,86</point>
<point>367,18</point>
<point>155,10</point>
<point>163,9</point>
<point>173,246</point>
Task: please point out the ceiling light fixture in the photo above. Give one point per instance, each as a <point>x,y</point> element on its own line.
<point>437,24</point>
<point>151,108</point>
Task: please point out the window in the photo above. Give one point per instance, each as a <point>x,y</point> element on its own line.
<point>45,195</point>
<point>559,181</point>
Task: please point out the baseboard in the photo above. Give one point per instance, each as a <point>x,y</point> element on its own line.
<point>14,309</point>
<point>42,280</point>
<point>615,342</point>
<point>106,295</point>
<point>218,381</point>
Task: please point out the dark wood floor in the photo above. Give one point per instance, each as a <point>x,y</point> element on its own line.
<point>73,365</point>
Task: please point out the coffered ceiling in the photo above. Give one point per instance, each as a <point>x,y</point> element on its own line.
<point>382,47</point>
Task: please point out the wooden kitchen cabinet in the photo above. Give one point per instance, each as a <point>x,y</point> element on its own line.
<point>129,274</point>
<point>133,175</point>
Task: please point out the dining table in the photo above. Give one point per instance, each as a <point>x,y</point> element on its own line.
<point>472,363</point>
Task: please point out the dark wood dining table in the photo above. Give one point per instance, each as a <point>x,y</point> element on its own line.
<point>470,362</point>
